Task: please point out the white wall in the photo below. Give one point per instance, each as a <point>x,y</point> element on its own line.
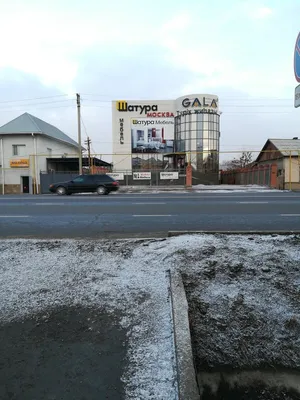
<point>13,175</point>
<point>295,166</point>
<point>58,149</point>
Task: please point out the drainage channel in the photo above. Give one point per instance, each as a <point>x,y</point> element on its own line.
<point>227,384</point>
<point>253,385</point>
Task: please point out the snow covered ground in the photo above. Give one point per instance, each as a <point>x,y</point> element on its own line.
<point>199,189</point>
<point>234,188</point>
<point>239,286</point>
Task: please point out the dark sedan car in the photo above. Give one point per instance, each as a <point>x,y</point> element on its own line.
<point>101,184</point>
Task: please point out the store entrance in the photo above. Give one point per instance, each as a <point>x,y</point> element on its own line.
<point>25,184</point>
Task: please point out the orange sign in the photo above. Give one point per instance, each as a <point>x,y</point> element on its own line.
<point>21,163</point>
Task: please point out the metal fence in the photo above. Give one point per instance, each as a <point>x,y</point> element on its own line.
<point>258,175</point>
<point>46,179</point>
<point>126,178</point>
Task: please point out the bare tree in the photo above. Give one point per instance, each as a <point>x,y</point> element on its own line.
<point>237,163</point>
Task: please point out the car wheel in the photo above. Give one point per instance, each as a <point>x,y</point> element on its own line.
<point>61,191</point>
<point>101,190</point>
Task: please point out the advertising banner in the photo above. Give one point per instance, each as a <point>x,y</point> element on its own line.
<point>152,135</point>
<point>21,163</point>
<point>142,175</point>
<point>169,175</point>
<point>117,176</point>
<point>197,104</point>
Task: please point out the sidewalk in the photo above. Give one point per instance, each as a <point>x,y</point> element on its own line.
<point>197,189</point>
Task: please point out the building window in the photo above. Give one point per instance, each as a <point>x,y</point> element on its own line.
<point>19,149</point>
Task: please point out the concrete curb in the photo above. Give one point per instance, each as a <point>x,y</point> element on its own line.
<point>131,189</point>
<point>275,232</point>
<point>189,189</point>
<point>186,376</point>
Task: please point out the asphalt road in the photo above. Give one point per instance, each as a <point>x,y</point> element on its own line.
<point>63,353</point>
<point>146,215</point>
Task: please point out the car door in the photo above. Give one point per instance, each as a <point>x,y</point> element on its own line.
<point>106,181</point>
<point>101,180</point>
<point>79,184</point>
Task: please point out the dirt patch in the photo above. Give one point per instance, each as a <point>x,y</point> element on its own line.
<point>244,304</point>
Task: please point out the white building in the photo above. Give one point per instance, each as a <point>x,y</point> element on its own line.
<point>25,144</point>
<point>165,134</point>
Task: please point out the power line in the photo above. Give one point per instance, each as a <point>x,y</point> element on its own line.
<point>222,98</point>
<point>225,113</point>
<point>36,108</point>
<point>223,104</point>
<point>41,103</point>
<point>34,98</point>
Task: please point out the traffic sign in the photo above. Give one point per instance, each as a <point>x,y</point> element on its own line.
<point>297,96</point>
<point>297,59</point>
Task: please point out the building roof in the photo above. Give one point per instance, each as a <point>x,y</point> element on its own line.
<point>285,146</point>
<point>27,124</point>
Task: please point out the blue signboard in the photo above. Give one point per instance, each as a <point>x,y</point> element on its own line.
<point>297,59</point>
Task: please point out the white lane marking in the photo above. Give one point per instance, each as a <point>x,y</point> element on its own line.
<point>290,215</point>
<point>14,216</point>
<point>49,204</point>
<point>253,202</point>
<point>149,203</point>
<point>153,215</point>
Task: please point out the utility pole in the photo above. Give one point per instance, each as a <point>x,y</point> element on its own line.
<point>79,133</point>
<point>88,143</point>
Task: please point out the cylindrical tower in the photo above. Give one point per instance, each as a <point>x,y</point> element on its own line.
<point>197,130</point>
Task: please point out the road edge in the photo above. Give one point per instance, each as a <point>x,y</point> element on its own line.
<point>186,374</point>
<point>179,233</point>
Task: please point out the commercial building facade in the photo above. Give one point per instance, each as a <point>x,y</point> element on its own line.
<point>167,134</point>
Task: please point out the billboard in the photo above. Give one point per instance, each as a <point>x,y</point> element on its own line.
<point>152,135</point>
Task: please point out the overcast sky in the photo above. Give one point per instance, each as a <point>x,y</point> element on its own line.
<point>240,50</point>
